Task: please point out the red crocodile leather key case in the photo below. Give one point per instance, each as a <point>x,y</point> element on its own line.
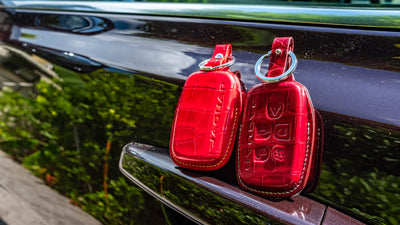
<point>207,115</point>
<point>277,142</point>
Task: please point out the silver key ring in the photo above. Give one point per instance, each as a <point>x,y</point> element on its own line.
<point>210,68</point>
<point>287,73</point>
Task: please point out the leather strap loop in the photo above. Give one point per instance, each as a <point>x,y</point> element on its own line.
<point>280,60</point>
<point>222,54</point>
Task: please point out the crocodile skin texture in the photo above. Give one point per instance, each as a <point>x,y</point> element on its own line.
<point>279,63</point>
<point>207,118</point>
<point>278,137</point>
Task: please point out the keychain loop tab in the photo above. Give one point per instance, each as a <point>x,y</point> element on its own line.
<point>222,57</point>
<point>275,79</point>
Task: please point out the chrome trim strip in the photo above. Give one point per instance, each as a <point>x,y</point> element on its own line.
<point>152,170</point>
<point>384,18</point>
<point>153,193</point>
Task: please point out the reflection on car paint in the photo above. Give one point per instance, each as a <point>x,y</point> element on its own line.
<point>88,25</point>
<point>344,68</point>
<point>360,170</point>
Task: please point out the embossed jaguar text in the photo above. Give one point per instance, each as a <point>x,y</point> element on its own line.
<point>218,109</point>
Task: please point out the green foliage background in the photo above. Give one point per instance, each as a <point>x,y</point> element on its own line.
<point>61,134</point>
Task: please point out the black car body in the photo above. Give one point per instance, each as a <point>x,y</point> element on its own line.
<point>349,59</point>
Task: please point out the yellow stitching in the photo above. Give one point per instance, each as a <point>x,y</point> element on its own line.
<point>318,150</point>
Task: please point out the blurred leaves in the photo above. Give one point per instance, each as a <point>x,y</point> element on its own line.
<point>360,173</point>
<point>60,134</point>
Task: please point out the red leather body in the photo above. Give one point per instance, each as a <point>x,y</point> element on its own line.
<point>276,140</point>
<point>206,120</point>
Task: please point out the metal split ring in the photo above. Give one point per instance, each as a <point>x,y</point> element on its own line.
<point>210,68</point>
<point>287,73</point>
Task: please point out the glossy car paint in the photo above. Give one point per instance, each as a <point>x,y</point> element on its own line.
<point>350,70</point>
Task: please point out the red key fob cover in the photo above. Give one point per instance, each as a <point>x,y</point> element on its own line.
<point>207,116</point>
<point>278,133</point>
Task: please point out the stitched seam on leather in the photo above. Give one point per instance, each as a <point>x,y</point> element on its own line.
<point>318,152</point>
